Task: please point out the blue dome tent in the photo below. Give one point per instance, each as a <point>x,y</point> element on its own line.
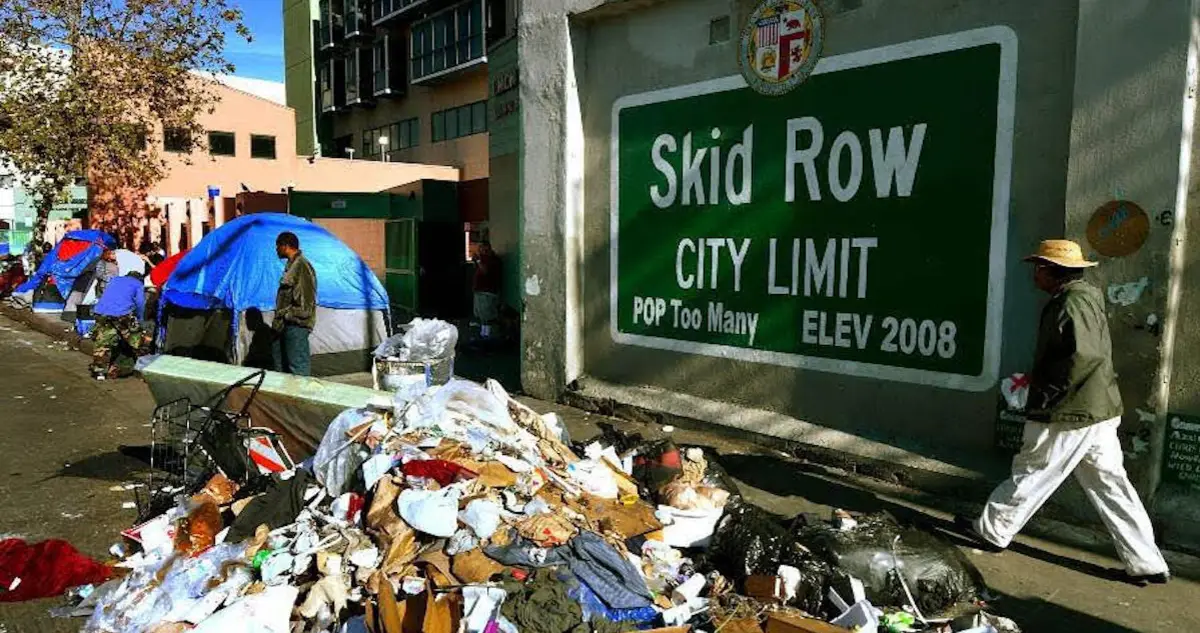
<point>219,301</point>
<point>64,275</point>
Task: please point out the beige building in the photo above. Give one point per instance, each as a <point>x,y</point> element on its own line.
<point>249,148</point>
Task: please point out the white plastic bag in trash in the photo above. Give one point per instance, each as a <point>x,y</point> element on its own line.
<point>337,460</point>
<point>482,516</point>
<point>1015,389</point>
<point>421,339</point>
<point>430,511</point>
<point>688,528</point>
<point>266,612</point>
<point>595,478</point>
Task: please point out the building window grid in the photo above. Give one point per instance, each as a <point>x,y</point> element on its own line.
<point>401,135</point>
<point>464,120</point>
<point>449,39</point>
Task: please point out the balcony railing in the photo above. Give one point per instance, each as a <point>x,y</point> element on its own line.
<point>359,77</point>
<point>357,16</point>
<point>384,10</point>
<point>448,41</point>
<point>390,63</point>
<point>332,25</point>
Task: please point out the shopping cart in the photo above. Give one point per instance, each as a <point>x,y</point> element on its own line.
<point>189,443</point>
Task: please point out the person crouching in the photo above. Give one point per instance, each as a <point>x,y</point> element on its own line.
<point>119,337</point>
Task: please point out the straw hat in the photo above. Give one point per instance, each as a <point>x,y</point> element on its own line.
<point>1063,253</point>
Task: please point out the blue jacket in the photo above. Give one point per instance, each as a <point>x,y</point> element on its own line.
<point>122,296</point>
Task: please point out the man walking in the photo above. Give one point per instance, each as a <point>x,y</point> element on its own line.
<point>118,335</point>
<point>1073,411</point>
<point>295,308</point>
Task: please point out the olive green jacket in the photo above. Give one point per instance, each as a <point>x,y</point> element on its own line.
<point>1073,380</point>
<point>296,300</point>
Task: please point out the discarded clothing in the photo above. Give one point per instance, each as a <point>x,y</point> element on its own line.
<point>45,569</point>
<point>275,508</point>
<point>614,579</point>
<point>441,471</point>
<point>543,606</point>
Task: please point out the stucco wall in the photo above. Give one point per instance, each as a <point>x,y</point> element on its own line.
<point>634,52</point>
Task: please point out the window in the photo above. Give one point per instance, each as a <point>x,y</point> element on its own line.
<point>221,144</point>
<point>262,146</point>
<point>458,122</point>
<point>448,39</point>
<point>405,134</point>
<point>177,140</point>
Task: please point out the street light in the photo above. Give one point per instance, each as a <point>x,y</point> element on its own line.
<point>383,143</point>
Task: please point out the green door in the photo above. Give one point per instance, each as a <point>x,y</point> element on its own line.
<point>401,271</point>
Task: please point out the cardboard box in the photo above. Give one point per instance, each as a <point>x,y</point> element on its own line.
<point>788,623</point>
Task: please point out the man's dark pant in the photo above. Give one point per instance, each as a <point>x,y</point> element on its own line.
<point>289,350</point>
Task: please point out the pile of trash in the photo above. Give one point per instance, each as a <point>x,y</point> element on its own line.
<point>462,510</point>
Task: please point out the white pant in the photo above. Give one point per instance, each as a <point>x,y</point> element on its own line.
<point>1050,453</point>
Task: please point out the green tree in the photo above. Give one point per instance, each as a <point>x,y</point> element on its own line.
<point>85,83</point>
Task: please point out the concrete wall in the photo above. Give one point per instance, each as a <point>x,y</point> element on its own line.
<point>300,73</point>
<point>622,54</point>
<point>1094,122</point>
<point>504,222</point>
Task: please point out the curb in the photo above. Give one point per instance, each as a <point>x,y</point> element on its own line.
<point>40,325</point>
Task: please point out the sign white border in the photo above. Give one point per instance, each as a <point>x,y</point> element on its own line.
<point>1005,111</point>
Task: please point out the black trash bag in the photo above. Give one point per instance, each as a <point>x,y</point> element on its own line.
<point>937,573</point>
<point>751,541</point>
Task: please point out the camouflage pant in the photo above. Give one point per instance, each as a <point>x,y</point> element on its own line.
<point>119,341</point>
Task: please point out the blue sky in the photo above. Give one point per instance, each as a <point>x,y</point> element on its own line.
<point>263,57</point>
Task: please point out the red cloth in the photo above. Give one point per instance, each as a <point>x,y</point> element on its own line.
<point>46,569</point>
<point>439,470</point>
<point>160,273</point>
<point>70,248</point>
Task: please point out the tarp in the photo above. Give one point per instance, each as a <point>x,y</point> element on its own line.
<point>69,259</point>
<point>235,267</point>
<point>160,273</point>
<point>128,262</point>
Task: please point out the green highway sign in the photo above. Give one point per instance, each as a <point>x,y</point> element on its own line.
<point>856,225</point>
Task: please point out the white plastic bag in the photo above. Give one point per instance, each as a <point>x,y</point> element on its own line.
<point>482,516</point>
<point>595,478</point>
<point>1015,389</point>
<point>688,528</point>
<point>433,512</point>
<point>421,339</point>
<point>266,612</point>
<point>337,460</point>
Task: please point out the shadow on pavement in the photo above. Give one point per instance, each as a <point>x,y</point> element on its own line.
<point>110,466</point>
<point>1035,615</point>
